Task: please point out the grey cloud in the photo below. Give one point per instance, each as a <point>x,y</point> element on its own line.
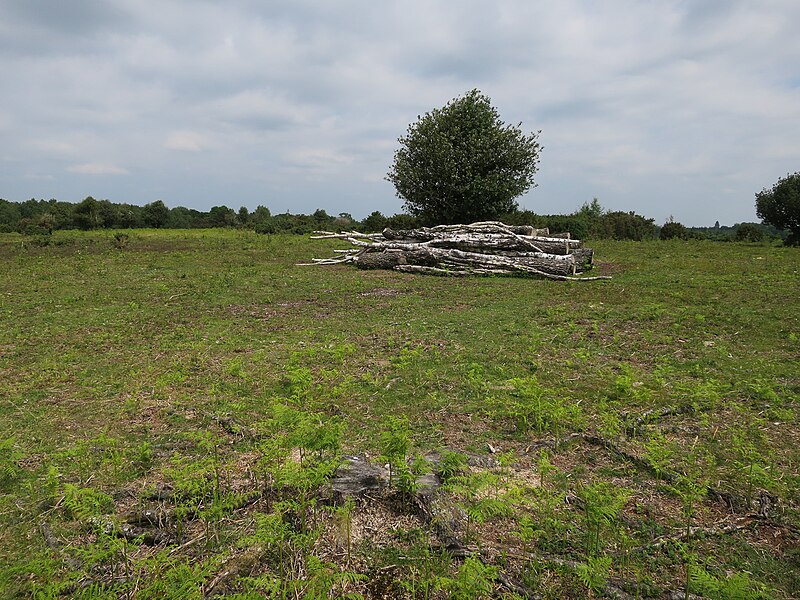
<point>53,27</point>
<point>76,17</point>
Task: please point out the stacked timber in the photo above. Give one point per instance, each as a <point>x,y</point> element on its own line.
<point>485,248</point>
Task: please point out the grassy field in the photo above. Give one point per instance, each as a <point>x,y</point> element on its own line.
<point>173,406</point>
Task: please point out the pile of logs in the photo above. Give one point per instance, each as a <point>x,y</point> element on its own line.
<point>485,248</point>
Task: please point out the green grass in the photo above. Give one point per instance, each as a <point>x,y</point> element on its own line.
<point>117,366</point>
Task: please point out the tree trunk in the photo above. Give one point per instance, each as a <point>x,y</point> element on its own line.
<point>459,260</point>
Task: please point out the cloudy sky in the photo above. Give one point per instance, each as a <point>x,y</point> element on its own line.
<point>682,108</point>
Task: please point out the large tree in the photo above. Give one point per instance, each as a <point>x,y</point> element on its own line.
<point>780,206</point>
<point>461,163</point>
<point>156,214</point>
<point>86,214</point>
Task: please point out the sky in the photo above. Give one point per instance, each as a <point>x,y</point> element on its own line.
<point>668,108</point>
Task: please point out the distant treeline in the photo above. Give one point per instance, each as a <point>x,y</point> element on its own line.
<point>591,221</point>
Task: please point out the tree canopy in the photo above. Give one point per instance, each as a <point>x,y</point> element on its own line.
<point>461,163</point>
<point>156,214</point>
<point>780,206</point>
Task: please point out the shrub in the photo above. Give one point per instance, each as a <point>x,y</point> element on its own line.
<point>121,240</point>
<point>265,226</point>
<point>621,225</point>
<point>673,230</point>
<point>374,223</point>
<point>749,232</point>
<point>402,221</point>
<point>577,227</point>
